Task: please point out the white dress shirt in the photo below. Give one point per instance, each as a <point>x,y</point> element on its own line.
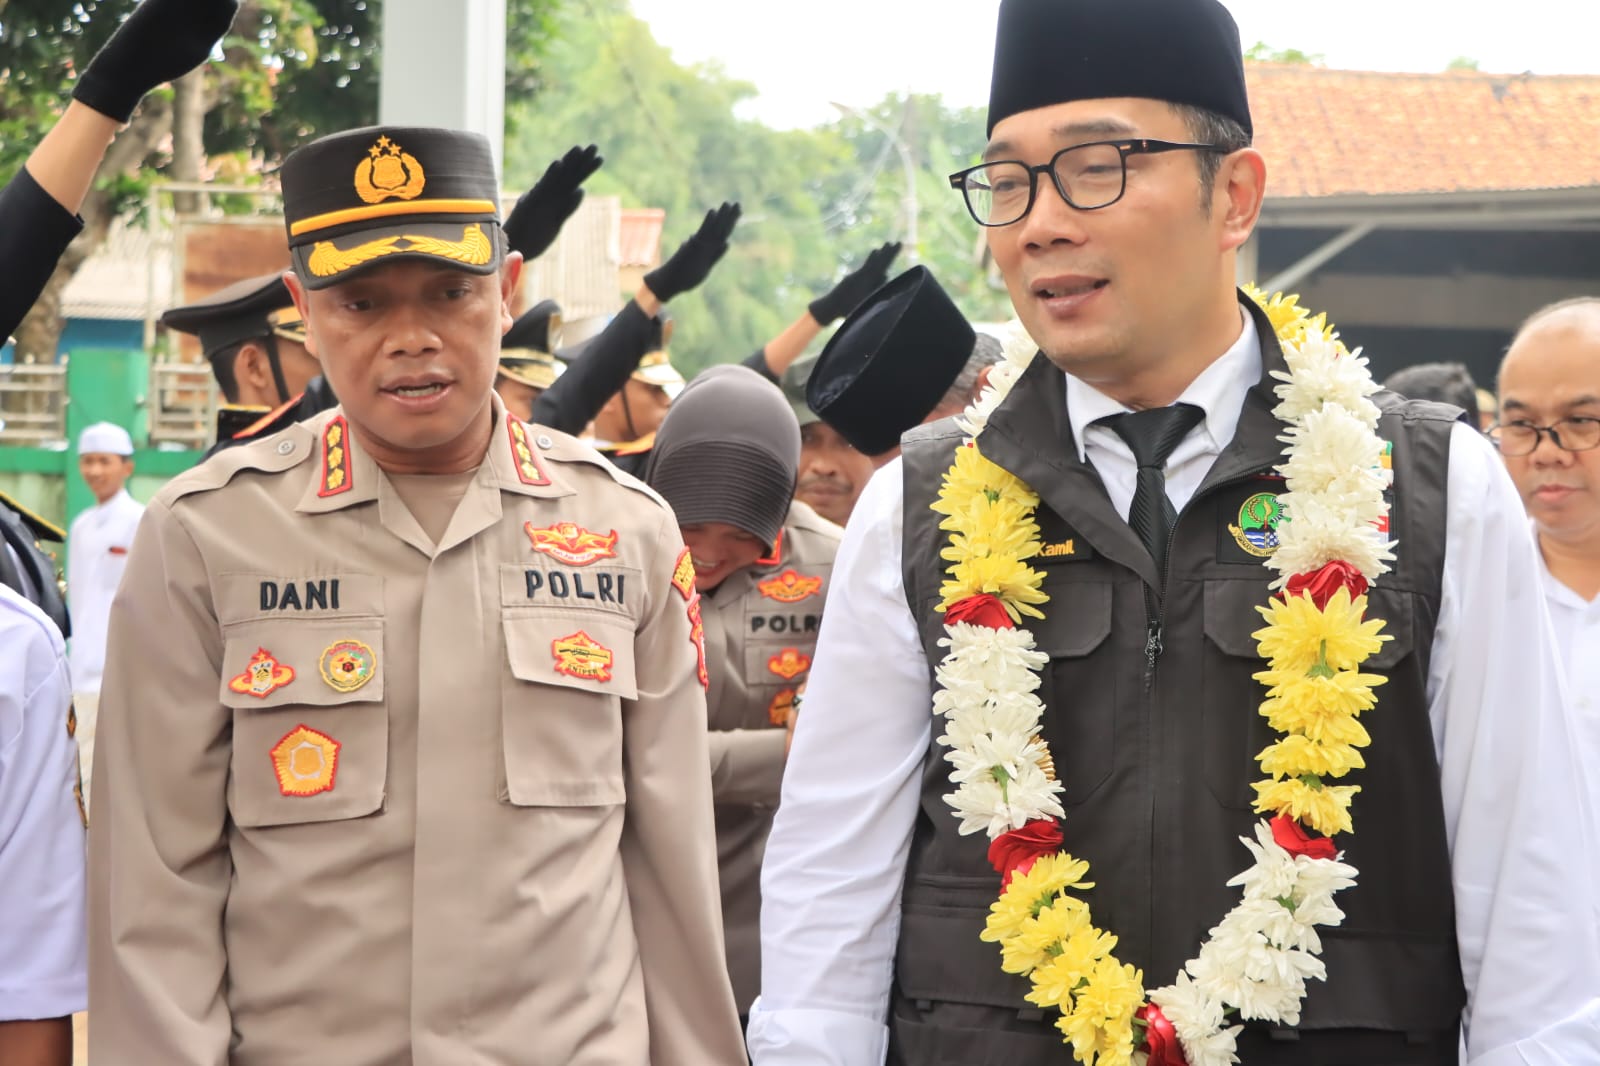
<point>43,925</point>
<point>97,553</point>
<point>1577,627</point>
<point>1513,804</point>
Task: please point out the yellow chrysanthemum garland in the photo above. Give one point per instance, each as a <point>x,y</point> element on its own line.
<point>1315,641</point>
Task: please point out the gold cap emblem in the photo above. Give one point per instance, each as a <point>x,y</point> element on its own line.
<point>388,170</point>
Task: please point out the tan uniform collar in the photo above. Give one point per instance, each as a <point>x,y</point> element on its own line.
<point>342,474</point>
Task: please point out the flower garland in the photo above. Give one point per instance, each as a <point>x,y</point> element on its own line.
<point>1255,963</point>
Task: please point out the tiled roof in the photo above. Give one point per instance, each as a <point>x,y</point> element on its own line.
<point>639,239</point>
<point>1332,132</point>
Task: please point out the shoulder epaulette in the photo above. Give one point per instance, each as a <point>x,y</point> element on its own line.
<point>569,449</point>
<point>41,528</point>
<point>265,455</point>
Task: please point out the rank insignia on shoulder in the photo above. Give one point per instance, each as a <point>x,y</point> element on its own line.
<point>582,657</point>
<point>683,575</point>
<point>529,472</point>
<point>697,637</point>
<point>570,543</point>
<point>789,587</point>
<point>335,458</point>
<point>347,665</point>
<point>781,707</point>
<point>305,762</point>
<point>262,676</point>
<point>1257,531</point>
<point>789,663</point>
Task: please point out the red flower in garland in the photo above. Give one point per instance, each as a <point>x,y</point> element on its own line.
<point>1296,841</point>
<point>1321,585</point>
<point>979,610</point>
<point>1160,1038</point>
<point>1017,851</point>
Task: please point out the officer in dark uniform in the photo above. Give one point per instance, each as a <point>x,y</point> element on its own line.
<point>26,566</point>
<point>527,363</point>
<point>254,340</point>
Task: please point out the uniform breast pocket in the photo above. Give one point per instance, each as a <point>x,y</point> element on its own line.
<point>1235,731</point>
<point>1079,685</point>
<point>561,712</point>
<point>310,727</point>
<point>773,673</point>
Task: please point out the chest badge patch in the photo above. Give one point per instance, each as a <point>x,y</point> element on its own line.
<point>789,587</point>
<point>583,657</point>
<point>1257,530</point>
<point>697,637</point>
<point>262,676</point>
<point>781,707</point>
<point>683,575</point>
<point>305,762</point>
<point>789,663</point>
<point>347,665</point>
<point>570,543</point>
<point>335,458</point>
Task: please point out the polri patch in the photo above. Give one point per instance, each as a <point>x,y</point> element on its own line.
<point>336,470</point>
<point>683,575</point>
<point>697,637</point>
<point>346,665</point>
<point>262,676</point>
<point>570,543</point>
<point>581,656</point>
<point>790,587</point>
<point>789,663</point>
<point>305,762</point>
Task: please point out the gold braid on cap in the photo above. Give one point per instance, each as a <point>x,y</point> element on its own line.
<point>474,249</point>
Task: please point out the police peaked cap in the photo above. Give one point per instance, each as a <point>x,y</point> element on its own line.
<point>371,196</point>
<point>1055,51</point>
<point>247,310</point>
<point>890,363</point>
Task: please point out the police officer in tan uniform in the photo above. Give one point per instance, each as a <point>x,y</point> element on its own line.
<point>403,742</point>
<point>726,459</point>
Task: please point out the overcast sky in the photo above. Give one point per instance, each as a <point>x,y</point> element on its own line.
<point>803,55</point>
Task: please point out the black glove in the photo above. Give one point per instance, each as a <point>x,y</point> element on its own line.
<point>696,256</point>
<point>855,286</point>
<point>160,41</point>
<point>536,221</point>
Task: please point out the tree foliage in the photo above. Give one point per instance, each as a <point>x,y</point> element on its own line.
<point>815,201</point>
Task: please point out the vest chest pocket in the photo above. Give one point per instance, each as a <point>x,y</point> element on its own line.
<point>561,711</point>
<point>1235,732</point>
<point>1079,688</point>
<point>310,727</point>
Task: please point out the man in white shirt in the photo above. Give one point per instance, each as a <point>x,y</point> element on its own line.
<point>43,928</point>
<point>1124,130</point>
<point>97,553</point>
<point>1549,437</point>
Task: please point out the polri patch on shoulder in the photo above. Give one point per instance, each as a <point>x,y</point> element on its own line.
<point>262,676</point>
<point>572,544</point>
<point>697,637</point>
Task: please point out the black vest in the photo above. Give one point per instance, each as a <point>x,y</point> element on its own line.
<point>1151,715</point>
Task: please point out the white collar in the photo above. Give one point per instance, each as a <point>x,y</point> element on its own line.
<point>1554,590</point>
<point>1219,391</point>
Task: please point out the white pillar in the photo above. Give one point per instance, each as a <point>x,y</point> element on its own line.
<point>444,64</point>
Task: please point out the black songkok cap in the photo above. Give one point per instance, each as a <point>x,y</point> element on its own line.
<point>1055,51</point>
<point>890,363</point>
<point>728,451</point>
<point>369,196</point>
<point>248,310</point>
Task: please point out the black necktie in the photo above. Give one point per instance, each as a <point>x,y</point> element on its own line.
<point>1152,435</point>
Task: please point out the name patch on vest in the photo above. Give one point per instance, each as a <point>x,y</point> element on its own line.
<point>1059,543</point>
<point>318,595</point>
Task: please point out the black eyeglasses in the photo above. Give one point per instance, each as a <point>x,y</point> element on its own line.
<point>1575,434</point>
<point>1088,177</point>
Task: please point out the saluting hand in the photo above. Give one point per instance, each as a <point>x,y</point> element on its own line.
<point>855,286</point>
<point>696,256</point>
<point>536,220</point>
<point>160,41</point>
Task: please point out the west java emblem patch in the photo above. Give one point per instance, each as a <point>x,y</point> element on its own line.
<point>570,543</point>
<point>1257,528</point>
<point>262,676</point>
<point>583,657</point>
<point>789,587</point>
<point>305,762</point>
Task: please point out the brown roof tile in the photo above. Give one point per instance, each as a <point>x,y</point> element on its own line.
<point>639,238</point>
<point>1332,132</point>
